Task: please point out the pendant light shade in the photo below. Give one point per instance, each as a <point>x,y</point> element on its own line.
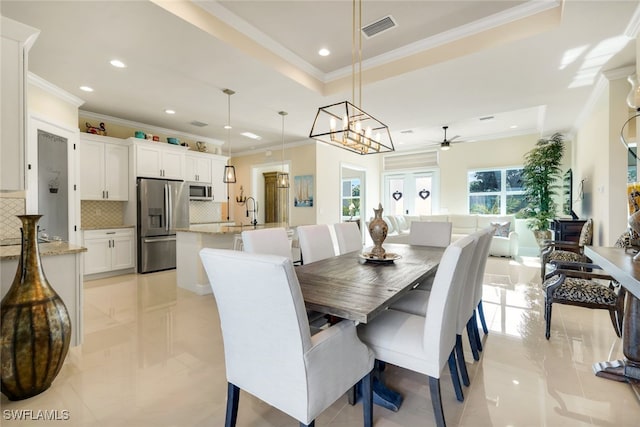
<point>282,178</point>
<point>229,171</point>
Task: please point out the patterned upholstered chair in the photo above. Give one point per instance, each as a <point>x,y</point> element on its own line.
<point>566,251</point>
<point>583,285</point>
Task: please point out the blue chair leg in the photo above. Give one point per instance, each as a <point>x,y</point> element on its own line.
<point>311,424</point>
<point>473,339</point>
<point>436,401</point>
<point>233,396</point>
<point>367,399</point>
<point>481,313</point>
<point>477,331</point>
<point>454,376</point>
<point>462,365</point>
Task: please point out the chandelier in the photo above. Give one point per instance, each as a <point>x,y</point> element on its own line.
<point>282,178</point>
<point>345,124</point>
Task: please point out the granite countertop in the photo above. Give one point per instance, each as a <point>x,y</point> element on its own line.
<point>106,227</point>
<point>46,249</point>
<point>221,228</point>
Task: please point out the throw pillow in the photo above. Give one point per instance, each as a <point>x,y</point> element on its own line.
<point>501,228</point>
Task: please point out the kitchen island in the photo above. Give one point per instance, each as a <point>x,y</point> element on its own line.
<point>190,274</point>
<point>62,265</point>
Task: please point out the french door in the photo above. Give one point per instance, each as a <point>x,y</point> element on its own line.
<point>410,193</point>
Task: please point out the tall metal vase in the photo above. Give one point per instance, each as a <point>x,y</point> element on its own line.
<point>378,232</point>
<point>35,328</point>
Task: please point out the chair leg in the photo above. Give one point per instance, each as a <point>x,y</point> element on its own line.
<point>481,313</point>
<point>476,330</point>
<point>453,369</point>
<point>367,399</point>
<point>311,424</point>
<point>473,338</point>
<point>233,396</point>
<point>436,401</point>
<point>547,318</point>
<point>614,320</point>
<point>462,365</point>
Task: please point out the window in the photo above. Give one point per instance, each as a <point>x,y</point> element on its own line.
<point>350,198</point>
<point>496,191</point>
<point>409,193</point>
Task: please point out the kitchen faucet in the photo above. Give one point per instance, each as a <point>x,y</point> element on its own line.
<point>254,211</point>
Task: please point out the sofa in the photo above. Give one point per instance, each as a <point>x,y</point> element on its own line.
<point>504,242</point>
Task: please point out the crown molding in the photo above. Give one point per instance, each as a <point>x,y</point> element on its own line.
<point>619,73</point>
<point>155,129</point>
<point>277,147</point>
<point>501,18</point>
<point>54,90</point>
<point>633,27</point>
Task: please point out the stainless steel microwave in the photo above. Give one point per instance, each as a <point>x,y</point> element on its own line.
<point>198,191</point>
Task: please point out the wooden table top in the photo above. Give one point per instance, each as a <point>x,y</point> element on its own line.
<point>619,264</point>
<point>348,287</point>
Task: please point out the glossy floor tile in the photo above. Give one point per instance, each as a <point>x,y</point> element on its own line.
<point>152,356</point>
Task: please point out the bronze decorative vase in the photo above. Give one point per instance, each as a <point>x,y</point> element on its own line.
<point>378,232</point>
<point>35,329</point>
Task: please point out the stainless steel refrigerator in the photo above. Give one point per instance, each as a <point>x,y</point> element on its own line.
<point>163,206</point>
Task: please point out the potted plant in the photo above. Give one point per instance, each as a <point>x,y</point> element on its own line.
<point>540,176</point>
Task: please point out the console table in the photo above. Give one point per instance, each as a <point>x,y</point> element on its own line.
<point>619,264</point>
<point>567,230</point>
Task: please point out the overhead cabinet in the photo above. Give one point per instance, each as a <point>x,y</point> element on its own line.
<point>17,39</point>
<point>104,168</point>
<point>158,160</point>
<point>109,250</point>
<point>198,167</point>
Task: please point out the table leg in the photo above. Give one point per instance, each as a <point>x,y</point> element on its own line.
<point>627,369</point>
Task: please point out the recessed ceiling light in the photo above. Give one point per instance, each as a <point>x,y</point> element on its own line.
<point>251,135</point>
<point>168,111</point>
<point>117,63</point>
<point>86,88</point>
<point>513,127</point>
<point>227,127</point>
<point>324,52</point>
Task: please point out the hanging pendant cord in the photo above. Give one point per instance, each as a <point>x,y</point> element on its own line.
<point>353,53</point>
<point>359,54</point>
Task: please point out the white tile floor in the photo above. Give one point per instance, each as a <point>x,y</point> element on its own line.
<point>152,356</point>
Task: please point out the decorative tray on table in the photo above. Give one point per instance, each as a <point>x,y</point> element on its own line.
<point>386,258</point>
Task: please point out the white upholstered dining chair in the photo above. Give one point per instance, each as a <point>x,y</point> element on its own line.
<point>430,233</point>
<point>426,344</point>
<point>276,359</point>
<point>315,243</point>
<point>348,236</point>
<point>274,241</point>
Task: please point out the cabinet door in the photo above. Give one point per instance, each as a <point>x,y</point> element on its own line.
<point>148,162</point>
<point>203,169</point>
<point>123,252</point>
<point>191,168</point>
<point>116,172</point>
<point>92,170</point>
<point>97,259</point>
<point>219,187</point>
<point>173,164</point>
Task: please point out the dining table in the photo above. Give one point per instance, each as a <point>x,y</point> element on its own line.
<point>357,287</point>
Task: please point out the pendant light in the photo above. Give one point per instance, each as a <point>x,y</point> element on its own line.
<point>229,171</point>
<point>282,179</point>
<point>345,124</point>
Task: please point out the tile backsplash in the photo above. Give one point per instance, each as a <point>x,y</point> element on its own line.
<point>96,213</point>
<point>203,211</point>
<point>9,223</point>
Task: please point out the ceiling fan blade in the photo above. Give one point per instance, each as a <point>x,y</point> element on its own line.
<point>452,138</point>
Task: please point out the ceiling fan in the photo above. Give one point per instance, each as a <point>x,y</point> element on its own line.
<point>445,144</point>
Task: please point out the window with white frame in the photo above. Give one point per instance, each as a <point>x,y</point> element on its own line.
<point>350,198</point>
<point>495,191</point>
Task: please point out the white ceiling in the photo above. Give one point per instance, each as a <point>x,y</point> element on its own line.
<point>529,64</point>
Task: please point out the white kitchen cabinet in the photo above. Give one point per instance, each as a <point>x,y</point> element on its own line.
<point>109,250</point>
<point>104,169</point>
<point>157,160</point>
<point>198,167</point>
<point>217,174</point>
<point>17,39</point>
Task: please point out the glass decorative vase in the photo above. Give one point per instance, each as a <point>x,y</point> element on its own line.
<point>35,326</point>
<point>378,232</point>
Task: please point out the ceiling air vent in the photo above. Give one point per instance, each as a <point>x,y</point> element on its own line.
<point>198,124</point>
<point>379,26</point>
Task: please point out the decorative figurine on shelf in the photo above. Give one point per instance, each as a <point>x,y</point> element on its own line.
<point>378,231</point>
<point>101,130</point>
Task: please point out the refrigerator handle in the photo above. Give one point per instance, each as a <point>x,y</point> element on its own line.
<point>170,225</point>
<point>166,207</point>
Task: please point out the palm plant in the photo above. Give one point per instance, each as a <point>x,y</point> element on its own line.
<point>540,176</point>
